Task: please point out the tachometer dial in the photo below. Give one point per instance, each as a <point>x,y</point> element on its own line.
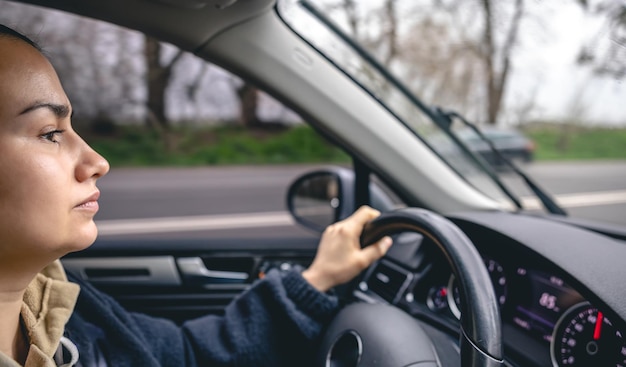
<point>584,336</point>
<point>437,298</point>
<point>498,280</point>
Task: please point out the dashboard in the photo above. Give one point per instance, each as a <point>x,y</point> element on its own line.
<point>549,315</point>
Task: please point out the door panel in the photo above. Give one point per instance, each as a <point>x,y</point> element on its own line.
<point>184,279</point>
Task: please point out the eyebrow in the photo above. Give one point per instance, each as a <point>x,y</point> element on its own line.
<point>60,111</point>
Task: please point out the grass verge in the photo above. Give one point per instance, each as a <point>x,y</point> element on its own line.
<point>578,143</point>
<point>138,146</point>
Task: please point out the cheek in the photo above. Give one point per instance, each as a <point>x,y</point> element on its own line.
<point>34,199</point>
<point>34,181</point>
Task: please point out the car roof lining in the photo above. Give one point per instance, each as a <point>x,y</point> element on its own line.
<point>187,27</point>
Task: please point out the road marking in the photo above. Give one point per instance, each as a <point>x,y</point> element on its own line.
<point>283,219</point>
<point>582,199</point>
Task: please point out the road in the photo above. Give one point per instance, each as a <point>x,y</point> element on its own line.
<point>594,191</point>
<point>244,200</point>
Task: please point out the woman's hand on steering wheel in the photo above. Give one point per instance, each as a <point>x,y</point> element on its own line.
<point>339,256</point>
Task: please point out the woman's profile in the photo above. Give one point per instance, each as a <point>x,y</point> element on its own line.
<point>48,199</point>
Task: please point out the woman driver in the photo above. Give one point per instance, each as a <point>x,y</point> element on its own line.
<point>48,198</point>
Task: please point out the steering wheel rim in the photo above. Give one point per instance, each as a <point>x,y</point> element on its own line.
<point>481,335</point>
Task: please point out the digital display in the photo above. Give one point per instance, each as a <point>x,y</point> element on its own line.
<point>546,298</point>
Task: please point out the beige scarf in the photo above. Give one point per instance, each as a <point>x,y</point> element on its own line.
<point>48,304</point>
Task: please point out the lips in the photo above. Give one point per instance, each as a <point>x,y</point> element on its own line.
<point>91,203</point>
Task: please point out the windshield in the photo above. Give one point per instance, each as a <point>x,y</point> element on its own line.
<point>414,56</point>
<point>361,67</point>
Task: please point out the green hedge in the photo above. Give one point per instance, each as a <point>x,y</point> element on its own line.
<point>578,143</point>
<point>138,146</point>
<point>135,146</point>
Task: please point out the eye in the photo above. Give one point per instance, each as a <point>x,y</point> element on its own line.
<point>52,135</point>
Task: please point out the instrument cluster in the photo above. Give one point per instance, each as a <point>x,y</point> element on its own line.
<point>544,307</point>
<point>545,320</point>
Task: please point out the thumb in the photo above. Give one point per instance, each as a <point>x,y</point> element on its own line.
<point>377,250</point>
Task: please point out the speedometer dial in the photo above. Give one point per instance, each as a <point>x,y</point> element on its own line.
<point>585,337</point>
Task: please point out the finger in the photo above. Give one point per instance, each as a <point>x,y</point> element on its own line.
<point>377,250</point>
<point>363,215</point>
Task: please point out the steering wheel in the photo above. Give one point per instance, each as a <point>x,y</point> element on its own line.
<point>365,334</point>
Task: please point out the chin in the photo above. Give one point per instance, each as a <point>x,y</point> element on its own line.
<point>84,239</point>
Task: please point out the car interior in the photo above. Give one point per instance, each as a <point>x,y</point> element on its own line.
<point>471,280</point>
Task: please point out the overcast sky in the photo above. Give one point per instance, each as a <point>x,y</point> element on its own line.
<point>548,67</point>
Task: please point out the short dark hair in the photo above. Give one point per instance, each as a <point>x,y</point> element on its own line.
<point>11,33</point>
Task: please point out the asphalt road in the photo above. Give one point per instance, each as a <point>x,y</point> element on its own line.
<point>595,191</point>
<point>243,201</point>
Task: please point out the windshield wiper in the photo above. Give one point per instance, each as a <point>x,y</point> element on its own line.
<point>444,121</point>
<point>441,118</point>
<point>549,204</point>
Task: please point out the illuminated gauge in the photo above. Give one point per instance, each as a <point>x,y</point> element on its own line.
<point>583,336</point>
<point>498,280</point>
<point>437,299</point>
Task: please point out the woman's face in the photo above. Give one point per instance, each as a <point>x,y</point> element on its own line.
<point>48,194</point>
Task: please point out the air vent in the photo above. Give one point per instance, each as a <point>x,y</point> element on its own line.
<point>388,281</point>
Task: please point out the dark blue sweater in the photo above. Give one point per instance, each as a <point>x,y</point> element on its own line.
<point>275,323</point>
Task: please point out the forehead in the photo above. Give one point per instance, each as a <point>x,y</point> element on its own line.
<point>26,76</point>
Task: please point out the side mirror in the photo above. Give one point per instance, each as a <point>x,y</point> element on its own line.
<point>314,200</point>
<point>320,198</point>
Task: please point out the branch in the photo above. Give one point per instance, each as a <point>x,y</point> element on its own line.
<point>511,39</point>
<point>392,37</point>
<point>192,88</point>
<point>174,60</point>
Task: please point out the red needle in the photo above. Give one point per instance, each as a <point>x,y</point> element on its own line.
<point>598,328</point>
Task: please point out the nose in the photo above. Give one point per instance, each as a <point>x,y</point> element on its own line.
<point>91,164</point>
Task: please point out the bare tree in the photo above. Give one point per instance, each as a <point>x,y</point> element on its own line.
<point>350,8</point>
<point>443,68</point>
<point>96,62</point>
<point>456,53</point>
<point>248,105</point>
<point>157,79</point>
<point>390,33</point>
<point>605,53</point>
<point>497,63</point>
